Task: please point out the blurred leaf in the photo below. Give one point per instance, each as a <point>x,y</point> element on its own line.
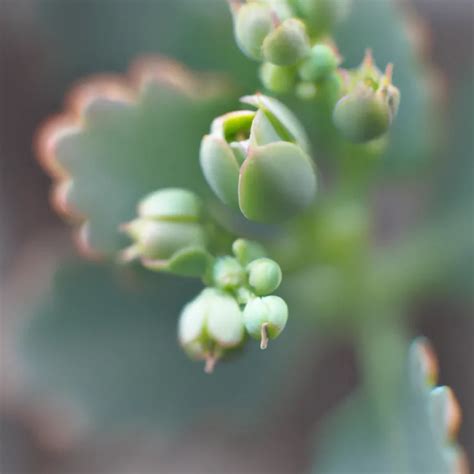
<point>121,141</point>
<point>417,437</point>
<point>116,32</point>
<point>106,338</point>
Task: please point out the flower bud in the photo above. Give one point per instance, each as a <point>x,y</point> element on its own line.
<point>320,64</point>
<point>257,161</point>
<point>246,251</point>
<point>368,109</point>
<point>210,325</point>
<point>228,273</point>
<point>252,23</point>
<point>167,234</point>
<point>279,79</point>
<point>322,15</point>
<point>287,44</point>
<point>265,318</point>
<point>264,276</point>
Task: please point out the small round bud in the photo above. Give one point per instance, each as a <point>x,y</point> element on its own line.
<point>210,325</point>
<point>322,15</point>
<point>253,22</point>
<point>159,240</point>
<point>368,109</point>
<point>172,204</point>
<point>287,44</point>
<point>228,273</point>
<point>278,79</point>
<point>265,318</point>
<point>362,115</point>
<point>246,250</point>
<point>264,276</point>
<point>320,64</point>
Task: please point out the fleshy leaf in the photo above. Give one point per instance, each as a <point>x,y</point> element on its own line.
<point>120,139</point>
<point>418,437</point>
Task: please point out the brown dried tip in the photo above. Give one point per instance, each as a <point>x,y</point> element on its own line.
<point>430,363</point>
<point>210,363</point>
<point>368,60</point>
<point>453,414</point>
<point>234,5</point>
<point>389,73</point>
<point>264,336</point>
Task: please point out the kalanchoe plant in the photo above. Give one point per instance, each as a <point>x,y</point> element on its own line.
<point>257,161</point>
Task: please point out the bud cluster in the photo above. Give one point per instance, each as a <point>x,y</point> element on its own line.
<point>257,161</point>
<point>292,40</point>
<point>239,303</point>
<point>168,234</point>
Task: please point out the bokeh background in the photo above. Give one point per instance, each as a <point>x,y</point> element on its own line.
<point>259,415</point>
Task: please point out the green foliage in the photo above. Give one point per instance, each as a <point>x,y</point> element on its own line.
<point>127,142</point>
<point>415,436</point>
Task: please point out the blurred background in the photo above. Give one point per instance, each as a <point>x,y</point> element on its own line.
<point>104,392</point>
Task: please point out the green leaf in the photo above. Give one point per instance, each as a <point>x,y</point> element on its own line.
<point>121,140</point>
<point>417,437</point>
<point>106,338</point>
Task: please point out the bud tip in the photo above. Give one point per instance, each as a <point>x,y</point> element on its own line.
<point>264,336</point>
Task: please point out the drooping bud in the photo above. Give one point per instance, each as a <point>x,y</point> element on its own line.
<point>167,234</point>
<point>265,318</point>
<point>322,61</point>
<point>370,105</point>
<point>287,44</point>
<point>264,276</point>
<point>210,325</point>
<point>258,161</point>
<point>252,23</point>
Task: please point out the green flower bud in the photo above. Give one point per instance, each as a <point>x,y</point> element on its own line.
<point>228,273</point>
<point>246,251</point>
<point>279,79</point>
<point>264,276</point>
<point>322,15</point>
<point>252,23</point>
<point>210,326</point>
<point>258,161</point>
<point>167,234</point>
<point>367,111</point>
<point>287,44</point>
<point>320,64</point>
<point>265,318</point>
